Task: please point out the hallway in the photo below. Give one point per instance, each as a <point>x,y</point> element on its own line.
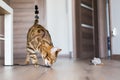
<point>63,69</point>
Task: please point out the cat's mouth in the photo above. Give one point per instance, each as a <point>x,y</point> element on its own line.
<point>48,64</point>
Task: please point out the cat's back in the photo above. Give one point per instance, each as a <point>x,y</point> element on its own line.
<point>35,31</point>
<point>38,32</point>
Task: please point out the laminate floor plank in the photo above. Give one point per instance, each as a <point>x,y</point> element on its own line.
<point>63,69</point>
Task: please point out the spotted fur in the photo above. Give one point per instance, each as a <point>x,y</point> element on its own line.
<point>39,41</point>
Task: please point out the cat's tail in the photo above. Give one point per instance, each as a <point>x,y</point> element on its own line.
<point>36,14</point>
<point>36,21</point>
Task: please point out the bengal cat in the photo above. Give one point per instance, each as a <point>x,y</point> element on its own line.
<point>39,41</point>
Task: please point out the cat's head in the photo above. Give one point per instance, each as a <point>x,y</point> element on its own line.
<point>51,58</point>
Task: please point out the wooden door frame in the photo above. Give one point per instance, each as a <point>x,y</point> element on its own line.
<point>100,36</point>
<point>102,29</point>
<point>75,31</point>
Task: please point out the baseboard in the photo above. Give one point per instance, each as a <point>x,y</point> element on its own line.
<point>116,57</point>
<point>64,56</point>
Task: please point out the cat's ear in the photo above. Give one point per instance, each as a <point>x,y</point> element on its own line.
<point>57,51</point>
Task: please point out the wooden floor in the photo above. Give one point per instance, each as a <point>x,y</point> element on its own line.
<point>63,69</point>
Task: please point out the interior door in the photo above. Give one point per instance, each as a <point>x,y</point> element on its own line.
<point>85,28</point>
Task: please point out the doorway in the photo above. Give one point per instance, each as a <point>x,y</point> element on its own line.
<point>85,29</point>
<point>90,29</point>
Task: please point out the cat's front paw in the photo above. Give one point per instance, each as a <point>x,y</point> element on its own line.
<point>36,65</point>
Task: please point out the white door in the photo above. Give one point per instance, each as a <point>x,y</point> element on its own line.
<point>115,26</point>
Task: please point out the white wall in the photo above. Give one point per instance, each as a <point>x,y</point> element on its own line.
<point>115,17</point>
<point>58,24</point>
